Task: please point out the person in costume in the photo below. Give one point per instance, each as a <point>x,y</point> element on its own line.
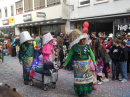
<point>9,47</point>
<point>80,52</point>
<point>13,47</point>
<point>48,49</point>
<point>37,52</point>
<point>26,54</point>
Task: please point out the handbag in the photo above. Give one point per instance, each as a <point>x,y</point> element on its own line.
<point>107,58</point>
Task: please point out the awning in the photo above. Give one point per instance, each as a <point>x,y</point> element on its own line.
<point>46,22</point>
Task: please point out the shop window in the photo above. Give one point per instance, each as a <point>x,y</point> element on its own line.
<point>39,4</point>
<point>28,5</point>
<point>100,1</point>
<point>6,12</point>
<point>0,13</point>
<point>19,7</point>
<point>52,2</point>
<point>12,10</point>
<point>84,2</point>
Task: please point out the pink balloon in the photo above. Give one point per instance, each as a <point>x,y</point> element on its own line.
<point>86,24</point>
<point>85,30</point>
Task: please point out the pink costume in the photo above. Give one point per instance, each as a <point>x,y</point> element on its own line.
<point>48,49</point>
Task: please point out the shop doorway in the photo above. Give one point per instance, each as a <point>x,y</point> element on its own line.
<point>34,29</point>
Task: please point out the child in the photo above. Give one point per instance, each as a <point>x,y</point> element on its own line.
<point>114,54</point>
<point>99,71</point>
<point>17,50</point>
<point>61,54</point>
<point>123,61</point>
<point>36,52</point>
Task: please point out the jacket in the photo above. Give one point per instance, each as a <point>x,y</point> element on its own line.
<point>115,53</point>
<point>123,54</point>
<point>61,54</point>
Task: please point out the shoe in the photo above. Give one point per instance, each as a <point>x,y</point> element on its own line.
<point>113,79</point>
<point>120,79</point>
<point>94,88</point>
<point>105,80</point>
<point>25,82</point>
<point>124,80</point>
<point>117,78</point>
<point>99,83</point>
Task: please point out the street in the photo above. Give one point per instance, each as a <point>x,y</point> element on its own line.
<point>11,74</point>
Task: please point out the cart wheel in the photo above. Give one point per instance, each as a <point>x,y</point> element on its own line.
<point>32,83</point>
<point>44,87</point>
<point>53,85</point>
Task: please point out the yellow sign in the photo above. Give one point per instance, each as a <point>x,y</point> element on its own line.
<point>11,19</point>
<point>78,26</point>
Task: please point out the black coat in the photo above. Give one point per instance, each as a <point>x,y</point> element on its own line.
<point>123,54</point>
<point>61,54</point>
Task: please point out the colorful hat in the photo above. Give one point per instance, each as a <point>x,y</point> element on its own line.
<point>24,37</point>
<point>75,37</point>
<point>47,38</point>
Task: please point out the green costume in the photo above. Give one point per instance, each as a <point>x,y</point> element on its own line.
<point>38,40</point>
<point>27,56</point>
<point>83,80</point>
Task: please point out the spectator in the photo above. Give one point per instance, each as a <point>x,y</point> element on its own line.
<point>128,46</point>
<point>120,39</point>
<point>61,55</point>
<point>9,47</point>
<point>101,40</point>
<point>13,46</point>
<point>114,54</point>
<point>38,41</point>
<point>94,39</point>
<point>100,34</point>
<point>61,35</point>
<point>66,41</point>
<point>109,43</point>
<point>123,61</point>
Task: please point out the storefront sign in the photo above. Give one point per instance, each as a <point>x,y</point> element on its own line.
<point>5,22</point>
<point>125,27</point>
<point>27,17</point>
<point>11,19</point>
<point>40,14</point>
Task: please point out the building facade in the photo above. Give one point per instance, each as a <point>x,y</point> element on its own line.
<point>106,16</point>
<point>35,16</point>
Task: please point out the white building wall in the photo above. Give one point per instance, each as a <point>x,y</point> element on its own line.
<point>99,9</point>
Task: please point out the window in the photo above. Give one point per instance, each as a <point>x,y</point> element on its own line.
<point>28,5</point>
<point>52,2</point>
<point>100,1</point>
<point>0,13</point>
<point>12,10</point>
<point>39,4</point>
<point>84,2</point>
<point>19,7</point>
<point>6,12</point>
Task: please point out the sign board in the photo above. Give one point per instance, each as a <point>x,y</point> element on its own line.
<point>40,14</point>
<point>125,27</point>
<point>5,22</point>
<point>27,17</point>
<point>11,19</point>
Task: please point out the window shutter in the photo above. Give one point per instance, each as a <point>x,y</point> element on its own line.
<point>42,3</point>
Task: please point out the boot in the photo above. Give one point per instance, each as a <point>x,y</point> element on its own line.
<point>26,82</point>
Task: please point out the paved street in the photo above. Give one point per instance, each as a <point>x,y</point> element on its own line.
<point>11,73</point>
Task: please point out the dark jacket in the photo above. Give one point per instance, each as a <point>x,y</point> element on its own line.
<point>61,54</point>
<point>123,54</point>
<point>115,53</point>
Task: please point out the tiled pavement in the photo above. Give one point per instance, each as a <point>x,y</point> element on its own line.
<point>11,73</point>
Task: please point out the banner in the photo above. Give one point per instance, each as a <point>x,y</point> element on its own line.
<point>11,19</point>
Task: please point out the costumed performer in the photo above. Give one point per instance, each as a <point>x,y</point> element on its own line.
<point>13,46</point>
<point>26,54</point>
<point>48,49</point>
<point>9,47</point>
<point>83,80</point>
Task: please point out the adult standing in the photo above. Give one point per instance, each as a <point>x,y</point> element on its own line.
<point>26,55</point>
<point>83,80</point>
<point>94,39</point>
<point>128,46</point>
<point>38,41</point>
<point>13,46</point>
<point>66,41</point>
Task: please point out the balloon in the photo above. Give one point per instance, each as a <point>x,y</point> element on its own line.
<point>86,24</point>
<point>85,30</point>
